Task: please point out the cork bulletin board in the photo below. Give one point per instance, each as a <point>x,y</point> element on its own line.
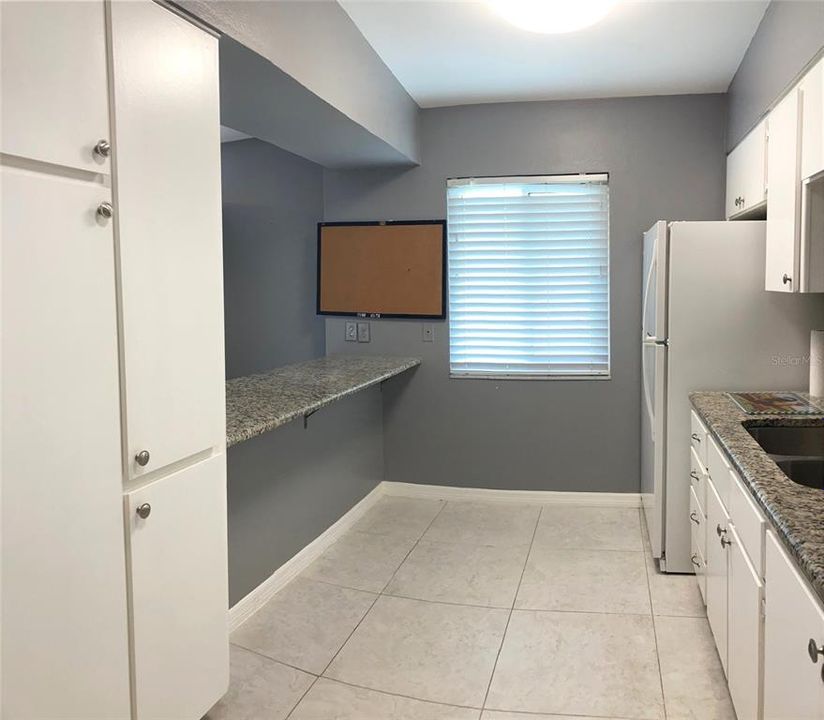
<point>382,269</point>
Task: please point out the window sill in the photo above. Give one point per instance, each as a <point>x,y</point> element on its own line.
<point>504,376</point>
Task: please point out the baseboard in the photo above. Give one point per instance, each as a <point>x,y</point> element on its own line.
<point>257,598</point>
<point>543,497</point>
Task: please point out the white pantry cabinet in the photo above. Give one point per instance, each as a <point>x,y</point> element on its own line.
<point>783,264</point>
<point>793,629</point>
<point>65,638</point>
<point>167,192</point>
<point>179,586</point>
<point>746,173</point>
<point>55,105</point>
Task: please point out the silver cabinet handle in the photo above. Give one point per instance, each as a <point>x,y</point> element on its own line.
<point>105,210</point>
<point>695,476</point>
<point>142,458</point>
<point>814,651</point>
<point>786,279</point>
<point>143,511</point>
<point>719,530</point>
<point>103,148</point>
<point>695,437</point>
<point>694,518</point>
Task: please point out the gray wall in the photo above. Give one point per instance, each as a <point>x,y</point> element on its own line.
<point>286,487</point>
<point>272,201</point>
<point>665,156</point>
<point>319,46</point>
<point>790,36</point>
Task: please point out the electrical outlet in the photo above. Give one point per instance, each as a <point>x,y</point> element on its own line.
<point>428,332</point>
<point>351,331</point>
<point>363,332</point>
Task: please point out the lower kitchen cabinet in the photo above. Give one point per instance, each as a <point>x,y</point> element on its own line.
<point>179,591</point>
<point>793,638</point>
<point>744,630</point>
<point>716,571</point>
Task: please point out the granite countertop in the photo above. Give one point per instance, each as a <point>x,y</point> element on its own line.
<point>256,404</point>
<point>795,511</point>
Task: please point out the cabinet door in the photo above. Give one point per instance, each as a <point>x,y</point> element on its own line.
<point>746,179</point>
<point>783,208</point>
<point>745,631</point>
<point>64,641</point>
<point>179,592</point>
<point>812,122</point>
<point>716,572</point>
<point>167,187</point>
<point>793,686</point>
<point>55,98</point>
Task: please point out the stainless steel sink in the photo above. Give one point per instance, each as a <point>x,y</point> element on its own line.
<point>804,471</point>
<point>795,441</point>
<point>798,450</point>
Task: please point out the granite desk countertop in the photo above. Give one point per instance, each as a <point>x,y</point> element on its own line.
<point>256,404</point>
<point>795,511</point>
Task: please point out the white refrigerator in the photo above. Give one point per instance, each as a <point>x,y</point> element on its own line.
<point>707,324</point>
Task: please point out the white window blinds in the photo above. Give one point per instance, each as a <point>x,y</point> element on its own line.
<point>529,276</point>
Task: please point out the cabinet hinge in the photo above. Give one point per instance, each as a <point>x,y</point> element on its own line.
<point>764,607</point>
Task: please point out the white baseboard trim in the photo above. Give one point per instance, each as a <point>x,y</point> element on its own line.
<point>543,497</point>
<point>257,598</point>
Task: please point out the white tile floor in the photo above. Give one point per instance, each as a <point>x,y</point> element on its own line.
<point>428,610</point>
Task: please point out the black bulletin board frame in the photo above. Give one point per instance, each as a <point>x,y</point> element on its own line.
<point>372,223</point>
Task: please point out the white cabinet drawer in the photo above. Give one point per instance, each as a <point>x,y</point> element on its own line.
<point>719,470</point>
<point>698,524</point>
<point>698,480</point>
<point>750,524</point>
<point>698,437</point>
<point>700,565</point>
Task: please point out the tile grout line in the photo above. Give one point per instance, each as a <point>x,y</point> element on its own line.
<point>654,625</point>
<point>377,597</point>
<point>511,610</point>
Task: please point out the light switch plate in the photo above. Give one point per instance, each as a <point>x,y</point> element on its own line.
<point>363,332</point>
<point>351,331</point>
<point>428,332</point>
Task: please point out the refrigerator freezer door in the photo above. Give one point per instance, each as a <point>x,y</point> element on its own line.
<point>654,309</point>
<point>653,440</point>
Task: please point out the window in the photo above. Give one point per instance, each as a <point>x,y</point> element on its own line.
<point>529,277</point>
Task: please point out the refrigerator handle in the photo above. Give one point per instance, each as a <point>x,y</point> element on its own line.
<point>647,399</point>
<point>647,282</point>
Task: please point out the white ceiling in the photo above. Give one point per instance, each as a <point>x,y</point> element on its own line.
<point>459,52</point>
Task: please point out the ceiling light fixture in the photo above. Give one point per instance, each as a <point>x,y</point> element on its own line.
<point>552,16</point>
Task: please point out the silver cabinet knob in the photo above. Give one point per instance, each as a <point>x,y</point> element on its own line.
<point>695,476</point>
<point>105,210</point>
<point>143,511</point>
<point>103,148</point>
<point>142,458</point>
<point>725,540</point>
<point>694,518</point>
<point>786,279</point>
<point>719,530</point>
<point>814,651</point>
<point>694,561</point>
<point>695,437</point>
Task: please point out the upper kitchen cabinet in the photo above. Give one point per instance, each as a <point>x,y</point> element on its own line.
<point>167,209</point>
<point>746,174</point>
<point>783,212</point>
<point>795,179</point>
<point>812,126</point>
<point>55,111</point>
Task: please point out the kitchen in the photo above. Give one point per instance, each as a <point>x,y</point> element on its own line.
<point>471,492</point>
